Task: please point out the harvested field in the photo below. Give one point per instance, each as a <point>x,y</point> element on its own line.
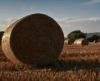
<point>76,63</point>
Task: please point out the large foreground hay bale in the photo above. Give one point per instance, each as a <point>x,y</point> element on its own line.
<point>34,39</point>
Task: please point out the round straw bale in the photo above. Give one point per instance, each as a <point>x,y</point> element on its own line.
<point>81,41</point>
<point>34,39</point>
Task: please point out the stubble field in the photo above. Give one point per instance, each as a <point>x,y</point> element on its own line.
<point>76,63</point>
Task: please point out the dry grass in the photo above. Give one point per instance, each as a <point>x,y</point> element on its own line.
<point>75,53</point>
<point>76,63</point>
<point>81,75</point>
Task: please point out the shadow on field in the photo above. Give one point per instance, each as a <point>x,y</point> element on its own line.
<point>61,65</point>
<point>58,66</point>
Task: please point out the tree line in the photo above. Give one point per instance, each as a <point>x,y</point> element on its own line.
<point>77,34</point>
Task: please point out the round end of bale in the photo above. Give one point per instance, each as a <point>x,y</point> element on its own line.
<point>34,39</point>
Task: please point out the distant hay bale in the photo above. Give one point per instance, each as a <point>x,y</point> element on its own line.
<point>66,41</point>
<point>81,41</point>
<point>97,41</point>
<point>69,41</point>
<point>34,39</point>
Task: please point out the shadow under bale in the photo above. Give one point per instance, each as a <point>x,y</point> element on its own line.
<point>61,65</point>
<point>1,34</point>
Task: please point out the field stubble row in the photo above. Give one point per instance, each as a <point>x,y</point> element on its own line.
<point>76,63</point>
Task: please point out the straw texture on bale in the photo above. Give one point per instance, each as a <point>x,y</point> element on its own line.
<point>34,39</point>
